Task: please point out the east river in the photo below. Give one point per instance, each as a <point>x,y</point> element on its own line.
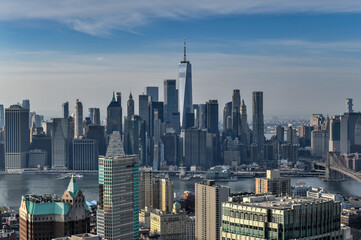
<point>12,187</point>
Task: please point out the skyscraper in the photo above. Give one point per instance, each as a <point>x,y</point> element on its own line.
<point>78,120</point>
<point>61,138</point>
<point>258,123</point>
<point>114,115</point>
<point>185,89</point>
<point>212,116</point>
<point>2,116</point>
<point>26,104</point>
<point>143,107</point>
<point>66,110</point>
<point>170,99</point>
<point>17,136</point>
<point>236,107</point>
<point>130,107</point>
<point>227,112</point>
<point>153,92</point>
<point>85,154</point>
<point>94,114</point>
<point>118,207</point>
<point>208,209</point>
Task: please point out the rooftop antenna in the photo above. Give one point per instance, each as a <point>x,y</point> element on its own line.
<point>185,50</point>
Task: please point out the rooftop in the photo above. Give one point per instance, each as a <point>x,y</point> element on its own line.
<point>270,201</point>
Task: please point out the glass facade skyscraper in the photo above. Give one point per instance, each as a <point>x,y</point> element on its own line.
<point>185,89</point>
<point>118,207</point>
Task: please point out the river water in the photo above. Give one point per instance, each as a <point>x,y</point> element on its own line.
<point>12,187</point>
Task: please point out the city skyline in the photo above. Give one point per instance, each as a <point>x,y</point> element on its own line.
<point>284,50</point>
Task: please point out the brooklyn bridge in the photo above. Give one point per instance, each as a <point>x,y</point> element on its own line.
<point>335,166</point>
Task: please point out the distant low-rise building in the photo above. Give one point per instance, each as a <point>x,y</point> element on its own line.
<point>274,184</point>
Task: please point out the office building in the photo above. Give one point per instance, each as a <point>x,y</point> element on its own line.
<point>146,192</point>
<point>319,142</point>
<point>2,116</point>
<point>268,217</point>
<point>37,158</point>
<point>114,115</point>
<point>94,114</point>
<point>273,184</point>
<point>185,89</point>
<point>167,195</point>
<point>50,216</point>
<point>118,207</point>
<point>61,140</point>
<point>17,137</point>
<point>195,148</point>
<point>258,123</point>
<point>212,116</point>
<point>227,113</point>
<point>349,105</point>
<point>172,151</point>
<point>169,226</point>
<point>143,107</point>
<point>170,99</point>
<point>65,110</point>
<point>97,132</point>
<point>82,236</point>
<point>335,134</point>
<point>2,156</point>
<point>130,107</point>
<point>208,209</point>
<point>153,93</point>
<point>85,154</point>
<point>78,119</point>
<point>245,135</point>
<point>280,134</point>
<point>236,107</point>
<point>316,120</point>
<point>135,138</point>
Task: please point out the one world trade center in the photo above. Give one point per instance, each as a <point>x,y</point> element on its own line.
<point>185,92</point>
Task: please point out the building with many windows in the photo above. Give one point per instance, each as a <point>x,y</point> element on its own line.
<point>118,206</point>
<point>50,216</point>
<point>274,184</point>
<point>261,217</point>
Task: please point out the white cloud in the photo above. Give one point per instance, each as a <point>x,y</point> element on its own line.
<point>100,17</point>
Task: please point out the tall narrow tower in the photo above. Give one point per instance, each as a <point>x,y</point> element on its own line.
<point>130,107</point>
<point>78,124</point>
<point>185,89</point>
<point>258,123</point>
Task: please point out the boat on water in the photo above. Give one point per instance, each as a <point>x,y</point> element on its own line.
<point>68,175</point>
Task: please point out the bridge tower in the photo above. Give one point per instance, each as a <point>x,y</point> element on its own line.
<point>332,158</point>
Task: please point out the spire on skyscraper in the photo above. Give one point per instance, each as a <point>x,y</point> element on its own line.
<point>185,51</point>
<point>113,99</point>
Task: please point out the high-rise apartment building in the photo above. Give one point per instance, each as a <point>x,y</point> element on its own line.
<point>118,207</point>
<point>153,92</point>
<point>170,99</point>
<point>17,137</point>
<point>208,209</point>
<point>258,123</point>
<point>268,217</point>
<point>185,89</point>
<point>65,110</point>
<point>49,216</point>
<point>78,119</point>
<point>114,115</point>
<point>2,116</point>
<point>273,184</point>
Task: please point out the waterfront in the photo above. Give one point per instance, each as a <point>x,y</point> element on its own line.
<point>12,187</point>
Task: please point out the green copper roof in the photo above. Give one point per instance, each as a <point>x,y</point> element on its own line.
<point>45,208</point>
<point>72,187</point>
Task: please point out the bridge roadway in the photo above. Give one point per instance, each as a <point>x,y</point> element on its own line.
<point>339,165</point>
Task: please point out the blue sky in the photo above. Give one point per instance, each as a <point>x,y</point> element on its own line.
<point>305,56</point>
